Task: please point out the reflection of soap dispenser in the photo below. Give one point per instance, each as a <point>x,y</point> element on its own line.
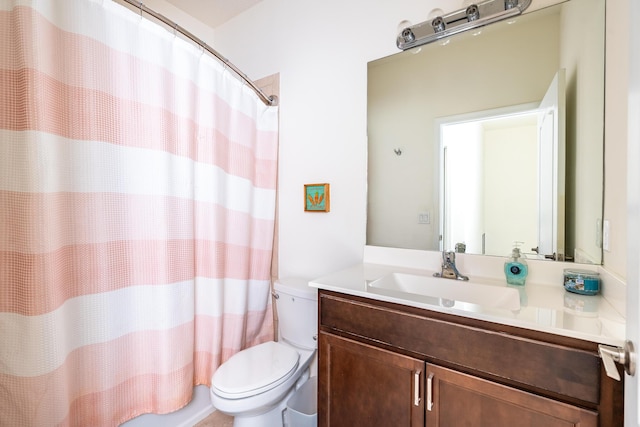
<point>515,267</point>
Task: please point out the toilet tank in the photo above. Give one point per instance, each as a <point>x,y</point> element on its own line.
<point>297,305</point>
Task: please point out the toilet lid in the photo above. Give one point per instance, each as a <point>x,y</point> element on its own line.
<point>255,370</point>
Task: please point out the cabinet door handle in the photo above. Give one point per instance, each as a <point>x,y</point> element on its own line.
<point>430,392</point>
<point>416,388</point>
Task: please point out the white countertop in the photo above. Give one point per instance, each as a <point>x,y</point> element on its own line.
<point>546,308</point>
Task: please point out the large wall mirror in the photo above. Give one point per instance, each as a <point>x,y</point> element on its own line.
<point>456,131</point>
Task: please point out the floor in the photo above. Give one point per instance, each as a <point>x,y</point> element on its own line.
<point>217,419</point>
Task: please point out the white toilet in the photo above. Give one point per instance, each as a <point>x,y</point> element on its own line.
<point>255,384</point>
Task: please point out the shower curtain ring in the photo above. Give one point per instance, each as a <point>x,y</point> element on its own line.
<point>140,6</point>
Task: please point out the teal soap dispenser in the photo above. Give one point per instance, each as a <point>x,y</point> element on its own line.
<point>515,267</point>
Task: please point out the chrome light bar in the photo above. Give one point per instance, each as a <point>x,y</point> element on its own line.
<point>474,16</point>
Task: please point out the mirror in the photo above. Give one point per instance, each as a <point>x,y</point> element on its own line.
<point>506,66</point>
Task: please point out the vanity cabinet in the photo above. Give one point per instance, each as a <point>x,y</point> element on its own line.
<point>465,400</point>
<point>368,386</point>
<point>382,364</point>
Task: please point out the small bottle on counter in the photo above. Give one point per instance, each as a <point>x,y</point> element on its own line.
<point>515,267</point>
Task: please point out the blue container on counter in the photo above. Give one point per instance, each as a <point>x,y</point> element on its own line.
<point>583,282</point>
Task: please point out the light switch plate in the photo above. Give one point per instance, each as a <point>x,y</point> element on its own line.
<point>424,218</point>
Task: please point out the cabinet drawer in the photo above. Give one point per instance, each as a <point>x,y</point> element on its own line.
<point>547,367</point>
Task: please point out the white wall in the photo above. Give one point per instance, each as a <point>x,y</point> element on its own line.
<point>616,127</point>
<point>321,50</point>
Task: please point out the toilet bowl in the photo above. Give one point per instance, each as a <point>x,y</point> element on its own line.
<point>254,384</point>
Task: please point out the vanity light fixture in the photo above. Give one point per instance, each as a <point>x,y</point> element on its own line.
<point>510,4</point>
<point>438,24</point>
<point>474,16</point>
<point>407,35</point>
<point>473,13</point>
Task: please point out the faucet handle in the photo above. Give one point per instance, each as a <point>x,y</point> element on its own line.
<point>461,247</point>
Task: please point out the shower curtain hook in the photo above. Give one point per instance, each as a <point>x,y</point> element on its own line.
<point>140,6</point>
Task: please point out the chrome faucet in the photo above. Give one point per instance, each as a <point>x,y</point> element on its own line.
<point>449,269</point>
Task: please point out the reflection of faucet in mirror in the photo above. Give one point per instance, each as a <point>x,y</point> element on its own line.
<point>449,269</point>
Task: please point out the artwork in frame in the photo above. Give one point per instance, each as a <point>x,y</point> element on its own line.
<point>316,197</point>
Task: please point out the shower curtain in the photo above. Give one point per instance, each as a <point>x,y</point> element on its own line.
<point>137,204</point>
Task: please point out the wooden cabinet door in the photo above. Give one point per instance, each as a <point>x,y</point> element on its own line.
<point>361,385</point>
<point>460,400</point>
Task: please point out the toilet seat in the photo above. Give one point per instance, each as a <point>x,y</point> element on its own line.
<point>255,370</point>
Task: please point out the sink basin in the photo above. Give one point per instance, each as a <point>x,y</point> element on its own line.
<point>445,292</point>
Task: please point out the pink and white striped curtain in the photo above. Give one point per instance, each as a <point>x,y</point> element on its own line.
<point>137,205</point>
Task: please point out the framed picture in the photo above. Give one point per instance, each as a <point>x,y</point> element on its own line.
<point>316,197</point>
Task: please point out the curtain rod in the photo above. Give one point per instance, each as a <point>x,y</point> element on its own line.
<point>268,100</point>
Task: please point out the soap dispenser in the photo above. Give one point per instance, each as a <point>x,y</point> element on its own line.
<point>515,267</point>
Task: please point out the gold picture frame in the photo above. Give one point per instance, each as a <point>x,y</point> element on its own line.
<point>316,198</point>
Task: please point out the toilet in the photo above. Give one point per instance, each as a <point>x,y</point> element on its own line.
<point>254,384</point>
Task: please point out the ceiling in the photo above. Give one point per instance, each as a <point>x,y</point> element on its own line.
<point>214,12</point>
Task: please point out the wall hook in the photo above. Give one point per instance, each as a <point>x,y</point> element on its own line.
<point>398,151</point>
